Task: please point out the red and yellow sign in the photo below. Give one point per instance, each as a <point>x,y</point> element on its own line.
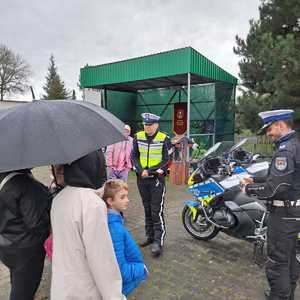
<point>180,118</point>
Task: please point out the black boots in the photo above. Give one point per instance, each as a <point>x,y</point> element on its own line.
<point>269,296</point>
<point>156,250</point>
<point>146,242</point>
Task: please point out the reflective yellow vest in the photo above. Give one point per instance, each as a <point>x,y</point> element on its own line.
<point>150,154</point>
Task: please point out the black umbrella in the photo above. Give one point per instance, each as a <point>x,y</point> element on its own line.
<point>47,132</point>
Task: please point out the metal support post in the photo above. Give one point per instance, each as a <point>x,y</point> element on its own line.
<point>188,104</point>
<point>188,113</point>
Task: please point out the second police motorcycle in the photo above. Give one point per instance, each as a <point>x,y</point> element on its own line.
<point>218,205</point>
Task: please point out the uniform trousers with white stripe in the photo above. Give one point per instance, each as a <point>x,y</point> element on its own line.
<point>282,267</point>
<point>152,191</point>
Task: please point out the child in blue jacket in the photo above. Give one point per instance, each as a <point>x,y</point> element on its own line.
<point>128,254</point>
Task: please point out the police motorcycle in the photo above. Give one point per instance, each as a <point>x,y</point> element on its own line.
<point>219,205</point>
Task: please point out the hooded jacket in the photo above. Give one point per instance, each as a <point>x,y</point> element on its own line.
<point>84,265</point>
<point>87,172</point>
<point>24,211</point>
<point>130,259</point>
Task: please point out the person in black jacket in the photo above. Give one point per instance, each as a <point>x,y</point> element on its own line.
<point>24,226</point>
<point>281,189</point>
<point>150,158</point>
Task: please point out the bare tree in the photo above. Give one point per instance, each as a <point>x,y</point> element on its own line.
<point>14,72</point>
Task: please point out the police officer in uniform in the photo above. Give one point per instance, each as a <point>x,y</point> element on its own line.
<point>150,156</point>
<point>281,189</point>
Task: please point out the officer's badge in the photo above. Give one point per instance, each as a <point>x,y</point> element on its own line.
<point>280,163</point>
<point>282,146</point>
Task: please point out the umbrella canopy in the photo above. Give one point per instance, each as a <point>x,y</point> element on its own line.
<point>46,132</point>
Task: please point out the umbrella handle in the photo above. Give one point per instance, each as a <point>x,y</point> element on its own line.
<point>54,175</point>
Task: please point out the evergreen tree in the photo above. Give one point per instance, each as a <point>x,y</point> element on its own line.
<point>270,64</point>
<point>54,87</point>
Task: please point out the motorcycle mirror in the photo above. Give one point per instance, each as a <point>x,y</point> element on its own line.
<point>238,145</point>
<point>256,156</point>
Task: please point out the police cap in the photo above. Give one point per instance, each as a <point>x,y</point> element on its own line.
<point>271,116</point>
<point>149,118</point>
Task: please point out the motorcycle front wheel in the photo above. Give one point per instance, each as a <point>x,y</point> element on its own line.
<point>199,228</point>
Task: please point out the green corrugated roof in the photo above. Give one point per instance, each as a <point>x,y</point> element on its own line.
<point>156,70</point>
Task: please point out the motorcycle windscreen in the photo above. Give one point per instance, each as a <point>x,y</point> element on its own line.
<point>258,167</point>
<point>233,181</point>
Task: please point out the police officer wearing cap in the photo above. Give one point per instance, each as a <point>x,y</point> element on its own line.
<point>281,189</point>
<point>150,156</point>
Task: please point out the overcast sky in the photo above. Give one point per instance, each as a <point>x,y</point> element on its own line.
<point>77,32</point>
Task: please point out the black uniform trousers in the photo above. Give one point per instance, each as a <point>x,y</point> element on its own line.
<point>26,269</point>
<point>282,268</point>
<point>152,191</point>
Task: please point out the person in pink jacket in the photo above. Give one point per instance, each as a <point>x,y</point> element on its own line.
<point>118,157</point>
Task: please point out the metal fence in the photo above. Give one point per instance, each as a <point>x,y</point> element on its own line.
<point>257,144</point>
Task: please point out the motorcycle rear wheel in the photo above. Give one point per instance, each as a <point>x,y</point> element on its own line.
<point>200,228</point>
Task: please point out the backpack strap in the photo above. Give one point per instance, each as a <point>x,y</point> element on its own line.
<point>7,178</point>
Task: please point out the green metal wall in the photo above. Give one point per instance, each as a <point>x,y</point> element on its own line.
<point>210,103</point>
<point>122,105</point>
<point>225,101</point>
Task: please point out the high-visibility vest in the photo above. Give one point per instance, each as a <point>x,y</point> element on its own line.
<point>150,154</point>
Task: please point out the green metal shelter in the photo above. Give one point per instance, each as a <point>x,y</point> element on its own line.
<point>154,82</point>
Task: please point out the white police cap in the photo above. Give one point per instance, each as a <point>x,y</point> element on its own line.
<point>149,118</point>
<point>271,116</point>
